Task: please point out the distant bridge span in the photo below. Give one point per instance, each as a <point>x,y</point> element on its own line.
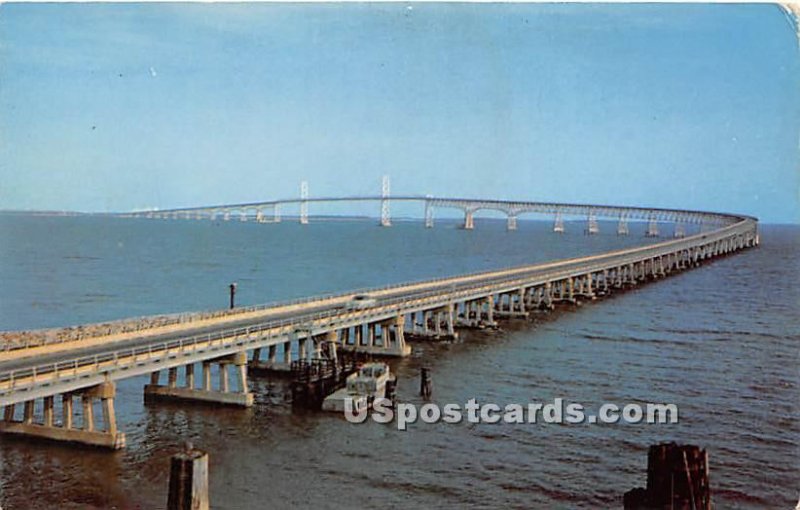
<point>270,211</point>
<point>85,361</point>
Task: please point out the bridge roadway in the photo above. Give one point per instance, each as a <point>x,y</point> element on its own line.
<point>87,368</point>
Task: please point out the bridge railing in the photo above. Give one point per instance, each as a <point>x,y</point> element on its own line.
<point>526,275</point>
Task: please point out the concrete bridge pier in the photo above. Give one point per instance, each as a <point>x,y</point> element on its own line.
<point>660,264</point>
<point>632,280</point>
<point>469,220</point>
<point>682,259</point>
<point>428,214</point>
<point>548,296</point>
<point>694,257</point>
<point>391,334</point>
<point>224,394</point>
<point>541,298</point>
<point>301,348</point>
<point>532,299</point>
<point>466,314</point>
<point>652,228</point>
<point>511,305</point>
<point>256,365</point>
<point>587,290</point>
<point>511,223</point>
<point>622,227</point>
<point>568,290</point>
<point>287,353</point>
<point>88,434</point>
<point>485,312</point>
<point>444,317</point>
<point>449,321</point>
<point>558,223</point>
<point>592,227</point>
<point>641,271</point>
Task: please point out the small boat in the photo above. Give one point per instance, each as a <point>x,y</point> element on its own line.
<point>364,386</point>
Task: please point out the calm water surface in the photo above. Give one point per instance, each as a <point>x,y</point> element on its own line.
<point>721,342</point>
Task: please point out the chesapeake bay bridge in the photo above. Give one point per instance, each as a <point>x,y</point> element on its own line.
<point>44,372</point>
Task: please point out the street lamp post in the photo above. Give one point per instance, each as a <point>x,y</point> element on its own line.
<point>233,293</point>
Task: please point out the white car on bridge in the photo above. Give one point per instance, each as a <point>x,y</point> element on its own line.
<point>361,301</point>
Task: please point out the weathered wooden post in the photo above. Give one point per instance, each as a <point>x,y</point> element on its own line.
<point>425,383</point>
<point>677,478</point>
<point>188,480</point>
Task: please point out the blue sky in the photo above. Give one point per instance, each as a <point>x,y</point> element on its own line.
<point>121,106</point>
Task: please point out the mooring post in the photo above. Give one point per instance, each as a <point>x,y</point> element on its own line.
<point>188,480</point>
<point>425,383</point>
<point>677,477</point>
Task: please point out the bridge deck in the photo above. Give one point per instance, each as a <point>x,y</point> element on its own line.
<point>68,366</point>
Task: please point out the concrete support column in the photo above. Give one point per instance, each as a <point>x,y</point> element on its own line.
<point>206,376</point>
<point>301,348</point>
<point>172,377</point>
<point>88,412</point>
<point>287,352</point>
<point>548,294</point>
<point>490,309</point>
<point>66,410</point>
<point>399,335</point>
<point>451,331</point>
<point>241,372</point>
<point>109,417</point>
<point>48,411</point>
<point>28,413</point>
<point>332,340</point>
<point>190,375</point>
<point>223,378</point>
<point>273,354</point>
<point>256,354</point>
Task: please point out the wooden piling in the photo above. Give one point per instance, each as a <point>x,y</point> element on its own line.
<point>677,478</point>
<point>188,481</point>
<point>425,383</point>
